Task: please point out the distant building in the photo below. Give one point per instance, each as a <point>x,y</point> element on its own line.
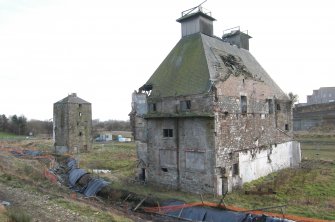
<point>210,118</point>
<point>319,111</point>
<point>322,95</point>
<point>72,125</point>
<point>104,136</point>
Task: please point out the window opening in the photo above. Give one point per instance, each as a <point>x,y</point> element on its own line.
<point>152,107</point>
<point>185,105</point>
<point>164,169</point>
<point>142,175</point>
<point>167,132</point>
<point>286,127</point>
<point>235,169</point>
<point>270,105</point>
<point>244,106</point>
<point>278,106</point>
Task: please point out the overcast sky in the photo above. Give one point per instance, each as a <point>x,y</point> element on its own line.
<point>103,50</point>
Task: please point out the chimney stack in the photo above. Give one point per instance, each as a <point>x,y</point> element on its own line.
<point>237,37</point>
<point>196,20</point>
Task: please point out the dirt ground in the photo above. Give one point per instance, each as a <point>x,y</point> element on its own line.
<point>44,207</point>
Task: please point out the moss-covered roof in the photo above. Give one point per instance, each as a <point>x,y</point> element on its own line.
<point>199,60</point>
<point>183,72</point>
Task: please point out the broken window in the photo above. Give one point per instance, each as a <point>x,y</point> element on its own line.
<point>152,107</point>
<point>235,169</point>
<point>244,106</point>
<point>142,175</point>
<point>185,105</point>
<point>270,105</point>
<point>278,106</point>
<point>167,132</point>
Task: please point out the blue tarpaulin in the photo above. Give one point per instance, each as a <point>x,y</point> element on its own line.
<point>71,163</point>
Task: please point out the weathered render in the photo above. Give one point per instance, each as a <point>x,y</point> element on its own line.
<point>210,118</point>
<point>72,125</point>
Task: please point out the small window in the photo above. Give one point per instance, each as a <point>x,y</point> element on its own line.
<point>244,106</point>
<point>80,114</point>
<point>270,105</point>
<point>80,133</point>
<point>185,105</point>
<point>286,127</point>
<point>235,169</point>
<point>278,106</point>
<point>164,169</point>
<point>79,105</point>
<point>167,132</point>
<point>152,107</point>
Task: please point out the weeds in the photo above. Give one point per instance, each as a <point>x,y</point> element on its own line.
<point>17,215</point>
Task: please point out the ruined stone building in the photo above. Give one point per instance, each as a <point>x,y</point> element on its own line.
<point>319,111</point>
<point>210,118</point>
<point>72,118</point>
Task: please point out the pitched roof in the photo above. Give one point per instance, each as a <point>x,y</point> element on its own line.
<point>72,98</point>
<point>184,71</point>
<point>199,60</point>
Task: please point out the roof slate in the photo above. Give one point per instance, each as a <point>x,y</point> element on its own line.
<point>183,72</point>
<point>73,99</point>
<point>196,62</point>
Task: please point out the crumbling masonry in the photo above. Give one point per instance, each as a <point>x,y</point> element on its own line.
<point>210,118</point>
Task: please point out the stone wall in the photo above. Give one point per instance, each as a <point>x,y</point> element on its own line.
<point>72,127</point>
<point>184,160</point>
<point>196,143</point>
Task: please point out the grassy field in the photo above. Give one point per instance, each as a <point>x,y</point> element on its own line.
<point>4,135</point>
<point>307,191</point>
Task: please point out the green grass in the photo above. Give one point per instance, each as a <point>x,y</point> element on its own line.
<point>307,191</point>
<point>17,215</point>
<point>317,147</point>
<point>120,158</point>
<point>4,135</point>
<point>87,211</point>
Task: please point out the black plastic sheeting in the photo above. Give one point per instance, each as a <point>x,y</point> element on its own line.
<point>94,186</point>
<point>74,174</point>
<point>26,153</point>
<point>218,215</point>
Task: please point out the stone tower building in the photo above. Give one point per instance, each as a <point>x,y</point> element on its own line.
<point>72,125</point>
<point>210,118</point>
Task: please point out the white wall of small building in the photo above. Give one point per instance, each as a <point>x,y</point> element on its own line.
<point>255,165</point>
